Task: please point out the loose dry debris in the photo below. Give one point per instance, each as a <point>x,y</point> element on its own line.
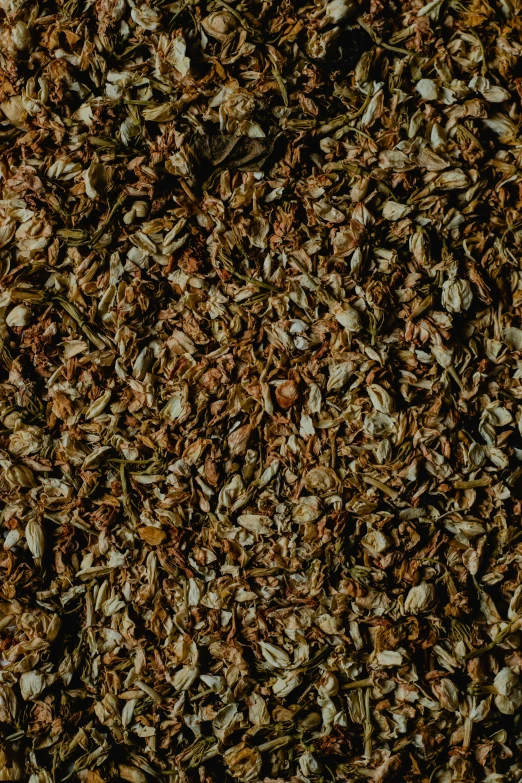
<point>261,348</point>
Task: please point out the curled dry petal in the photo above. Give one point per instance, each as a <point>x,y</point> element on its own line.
<point>456,295</point>
<point>420,598</point>
<point>321,479</point>
<point>287,394</point>
<point>220,24</point>
<point>447,693</point>
<point>243,762</point>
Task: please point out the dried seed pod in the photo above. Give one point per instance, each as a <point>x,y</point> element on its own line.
<point>12,539</point>
<point>35,537</point>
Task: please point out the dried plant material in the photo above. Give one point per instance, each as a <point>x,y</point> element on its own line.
<point>260,385</point>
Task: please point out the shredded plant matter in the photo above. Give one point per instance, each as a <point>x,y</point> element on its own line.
<point>261,373</point>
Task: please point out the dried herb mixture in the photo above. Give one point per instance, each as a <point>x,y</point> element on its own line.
<point>260,385</point>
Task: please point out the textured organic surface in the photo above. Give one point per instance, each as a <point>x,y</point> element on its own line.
<point>260,343</point>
